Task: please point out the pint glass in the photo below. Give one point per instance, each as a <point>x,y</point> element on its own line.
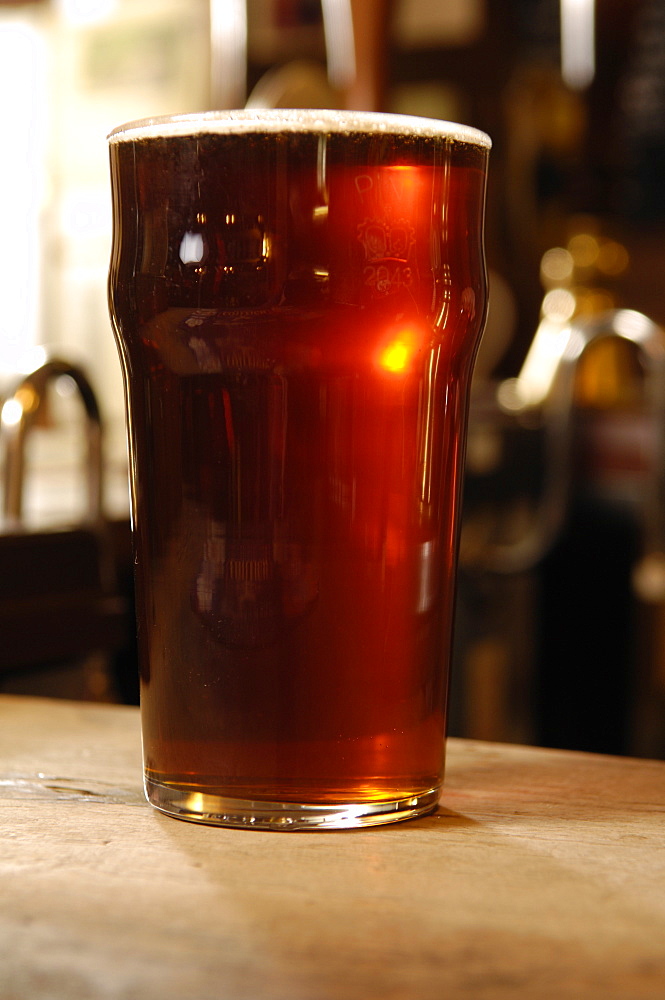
<point>297,298</point>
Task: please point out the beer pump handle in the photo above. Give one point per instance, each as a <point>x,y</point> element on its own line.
<point>370,39</point>
<point>19,410</point>
<point>557,414</point>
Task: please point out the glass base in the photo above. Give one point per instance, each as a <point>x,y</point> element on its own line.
<point>218,810</point>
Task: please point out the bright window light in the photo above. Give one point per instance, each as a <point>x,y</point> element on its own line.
<point>87,11</point>
<point>22,180</point>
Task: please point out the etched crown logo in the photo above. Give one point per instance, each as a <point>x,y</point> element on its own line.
<point>386,240</point>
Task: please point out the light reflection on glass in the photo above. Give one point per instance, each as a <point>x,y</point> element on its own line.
<point>192,248</point>
<point>397,355</point>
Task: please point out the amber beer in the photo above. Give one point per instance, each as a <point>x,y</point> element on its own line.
<point>297,300</point>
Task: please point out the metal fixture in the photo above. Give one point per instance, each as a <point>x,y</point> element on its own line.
<point>19,412</point>
<point>556,411</point>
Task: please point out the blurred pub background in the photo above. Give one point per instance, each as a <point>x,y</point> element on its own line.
<point>561,622</point>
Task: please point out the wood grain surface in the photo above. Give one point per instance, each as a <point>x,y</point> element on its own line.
<point>542,875</point>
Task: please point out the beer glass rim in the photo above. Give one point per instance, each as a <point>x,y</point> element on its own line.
<point>294,120</point>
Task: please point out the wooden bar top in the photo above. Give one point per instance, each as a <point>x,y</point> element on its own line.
<point>542,875</point>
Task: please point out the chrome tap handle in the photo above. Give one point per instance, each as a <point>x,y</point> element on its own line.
<point>19,410</point>
<point>557,410</point>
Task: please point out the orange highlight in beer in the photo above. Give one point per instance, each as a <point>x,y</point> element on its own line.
<point>396,356</point>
